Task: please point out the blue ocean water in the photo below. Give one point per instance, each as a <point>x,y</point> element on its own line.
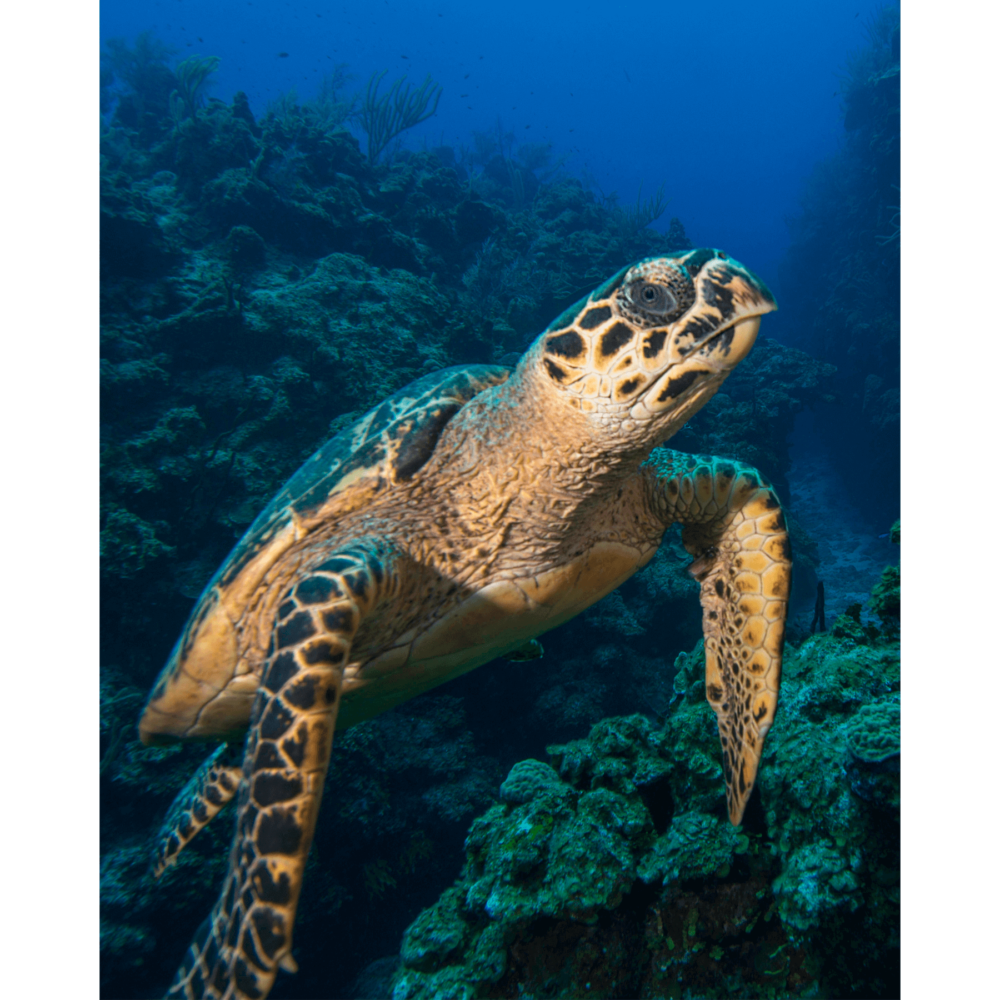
<point>729,108</point>
<point>772,132</point>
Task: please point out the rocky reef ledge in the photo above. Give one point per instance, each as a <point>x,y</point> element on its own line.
<point>612,871</point>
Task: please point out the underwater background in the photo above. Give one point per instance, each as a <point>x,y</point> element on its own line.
<point>268,273</point>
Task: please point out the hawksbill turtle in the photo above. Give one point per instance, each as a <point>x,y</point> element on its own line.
<point>462,517</point>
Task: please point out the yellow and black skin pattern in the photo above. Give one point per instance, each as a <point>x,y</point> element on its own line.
<point>248,935</point>
<point>465,516</point>
<point>211,787</point>
<point>734,526</point>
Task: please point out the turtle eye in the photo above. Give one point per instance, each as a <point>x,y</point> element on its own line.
<point>653,298</point>
<point>658,292</point>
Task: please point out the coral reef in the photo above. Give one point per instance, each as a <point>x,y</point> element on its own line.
<point>886,595</point>
<point>612,871</point>
<point>389,115</point>
<point>263,282</point>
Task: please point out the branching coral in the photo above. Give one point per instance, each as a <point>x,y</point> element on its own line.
<point>629,220</point>
<point>385,117</point>
<point>192,76</point>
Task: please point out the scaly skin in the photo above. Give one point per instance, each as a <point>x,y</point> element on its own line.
<point>248,936</point>
<point>211,787</point>
<point>734,526</point>
<point>462,520</point>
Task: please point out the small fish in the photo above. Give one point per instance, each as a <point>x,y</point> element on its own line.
<point>572,130</point>
<point>404,57</point>
<point>463,95</point>
<point>282,55</point>
<point>886,535</point>
<point>531,650</point>
<point>201,39</point>
<point>527,126</point>
<point>466,77</point>
<point>627,77</point>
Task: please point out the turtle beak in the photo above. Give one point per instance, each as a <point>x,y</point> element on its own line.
<point>739,298</point>
<point>722,324</point>
<point>710,339</point>
<point>730,347</point>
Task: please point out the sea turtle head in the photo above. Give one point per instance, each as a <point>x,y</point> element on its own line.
<point>646,350</point>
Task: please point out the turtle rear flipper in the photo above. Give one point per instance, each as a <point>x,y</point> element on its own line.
<point>248,936</point>
<point>734,527</point>
<point>209,790</point>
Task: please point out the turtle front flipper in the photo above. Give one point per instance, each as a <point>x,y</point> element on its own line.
<point>248,935</point>
<point>734,527</point>
<point>210,788</point>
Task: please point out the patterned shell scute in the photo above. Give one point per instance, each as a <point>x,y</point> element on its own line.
<point>386,446</point>
<point>571,313</point>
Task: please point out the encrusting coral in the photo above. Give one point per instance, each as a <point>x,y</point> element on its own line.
<point>612,870</point>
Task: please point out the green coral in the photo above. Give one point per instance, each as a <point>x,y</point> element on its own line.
<point>838,713</point>
<point>873,732</point>
<point>437,934</point>
<point>564,850</point>
<point>621,754</point>
<point>128,543</point>
<point>633,803</point>
<point>696,844</point>
<point>547,858</point>
<point>816,879</point>
<point>192,80</point>
<point>558,848</point>
<point>530,780</point>
<point>389,115</point>
<point>886,594</point>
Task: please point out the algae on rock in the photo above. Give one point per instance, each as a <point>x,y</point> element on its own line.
<point>803,898</point>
